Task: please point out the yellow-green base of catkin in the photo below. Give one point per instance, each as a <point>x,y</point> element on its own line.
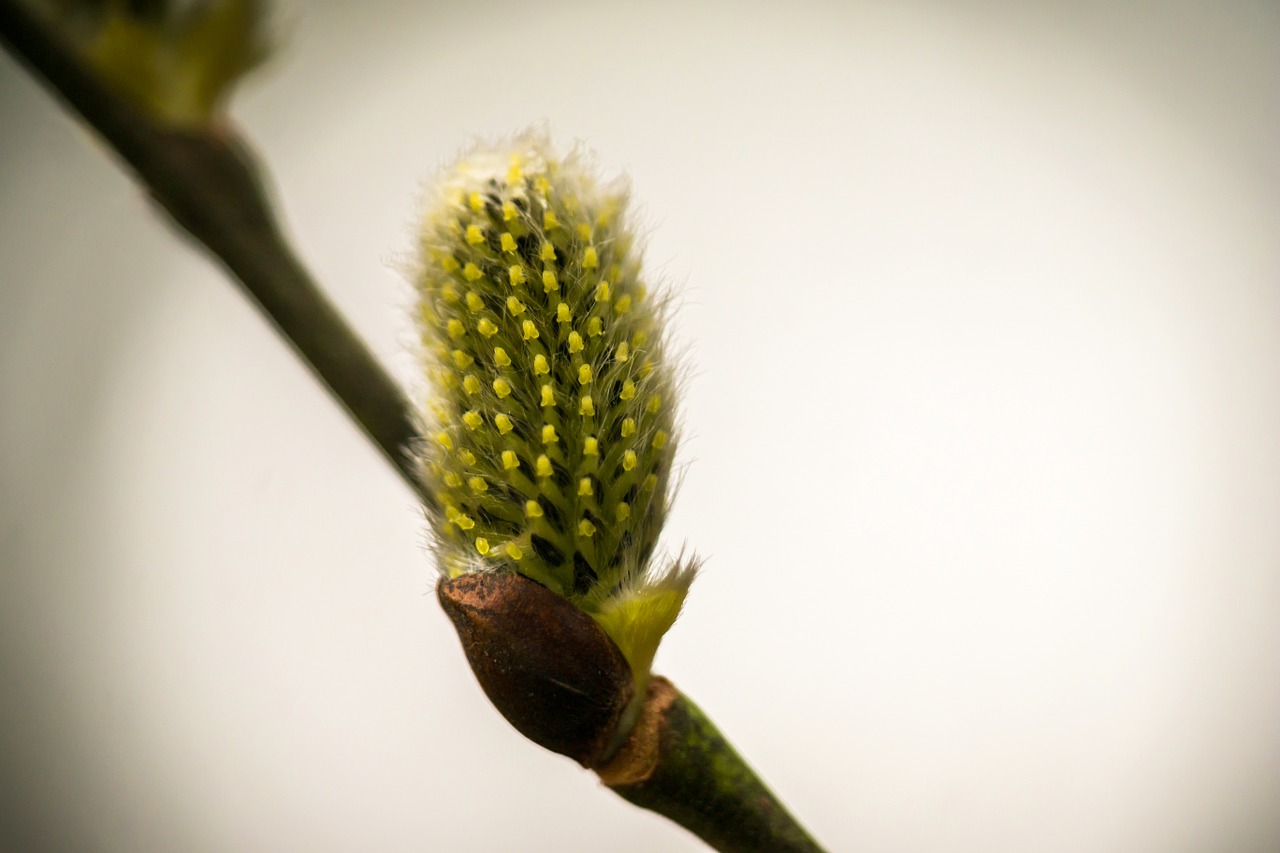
<point>550,430</point>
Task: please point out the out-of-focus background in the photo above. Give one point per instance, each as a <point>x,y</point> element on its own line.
<point>982,305</point>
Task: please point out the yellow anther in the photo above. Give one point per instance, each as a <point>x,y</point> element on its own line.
<point>450,294</point>
<point>513,551</point>
<point>464,521</point>
<point>629,460</point>
<point>478,485</point>
<point>451,513</point>
<point>639,339</point>
<point>462,360</point>
<point>646,367</point>
<point>595,327</point>
<point>549,434</point>
<point>543,467</point>
<point>548,396</point>
<point>542,185</point>
<point>452,479</point>
<point>628,390</point>
<point>623,304</point>
<point>586,529</point>
<point>549,281</point>
<point>603,293</point>
<point>584,231</point>
<point>533,509</point>
<point>548,252</point>
<point>590,446</point>
<point>501,387</point>
<point>474,301</point>
<point>563,314</point>
<point>642,291</point>
<point>628,427</point>
<point>503,423</point>
<point>509,211</point>
<point>655,403</point>
<point>528,330</point>
<point>589,258</point>
<point>659,440</point>
<point>482,545</point>
<point>508,242</point>
<point>514,306</point>
<point>540,366</point>
<point>514,173</point>
<point>472,419</point>
<point>549,220</point>
<point>471,384</point>
<point>622,511</point>
<point>500,357</point>
<point>516,274</point>
<point>487,328</point>
<point>585,487</point>
<point>450,264</point>
<point>477,203</point>
<point>587,407</point>
<point>650,483</point>
<point>623,352</point>
<point>456,329</point>
<point>467,457</point>
<point>471,272</point>
<point>510,460</point>
<point>584,374</point>
<point>575,342</point>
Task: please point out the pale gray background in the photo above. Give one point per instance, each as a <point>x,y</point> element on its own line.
<point>983,309</point>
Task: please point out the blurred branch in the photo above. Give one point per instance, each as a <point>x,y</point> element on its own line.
<point>208,181</point>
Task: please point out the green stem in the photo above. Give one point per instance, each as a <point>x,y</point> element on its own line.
<point>209,183</point>
<point>679,765</point>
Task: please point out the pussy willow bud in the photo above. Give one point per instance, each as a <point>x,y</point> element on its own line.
<point>550,427</point>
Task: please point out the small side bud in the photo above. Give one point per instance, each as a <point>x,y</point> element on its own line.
<point>546,665</point>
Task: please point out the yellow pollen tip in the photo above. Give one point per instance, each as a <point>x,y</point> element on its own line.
<point>549,281</point>
<point>587,407</point>
<point>486,327</point>
<point>471,384</point>
<point>623,352</point>
<point>474,301</point>
<point>595,327</point>
<point>464,521</point>
<point>655,403</point>
<point>476,202</point>
<point>452,480</point>
<point>623,304</point>
<point>508,242</point>
<point>650,483</point>
<point>549,434</point>
<point>584,231</point>
<point>516,274</point>
<point>528,330</point>
<point>503,423</point>
<point>510,460</point>
<point>629,460</point>
<point>472,419</point>
<point>659,440</point>
<point>543,468</point>
<point>501,387</point>
<point>628,390</point>
<point>471,272</point>
<point>540,366</point>
<point>482,545</point>
<point>628,427</point>
<point>462,360</point>
<point>622,511</point>
<point>590,446</point>
<point>450,264</point>
<point>478,485</point>
<point>549,220</point>
<point>513,551</point>
<point>467,457</point>
<point>533,509</point>
<point>585,487</point>
<point>584,374</point>
<point>509,211</point>
<point>603,293</point>
<point>456,329</point>
<point>548,252</point>
<point>474,235</point>
<point>563,314</point>
<point>586,528</point>
<point>500,357</point>
<point>575,342</point>
<point>589,258</point>
<point>514,306</point>
<point>548,396</point>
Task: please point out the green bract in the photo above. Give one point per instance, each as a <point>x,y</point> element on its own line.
<point>550,429</point>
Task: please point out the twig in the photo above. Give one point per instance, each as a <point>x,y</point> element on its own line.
<point>207,180</point>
